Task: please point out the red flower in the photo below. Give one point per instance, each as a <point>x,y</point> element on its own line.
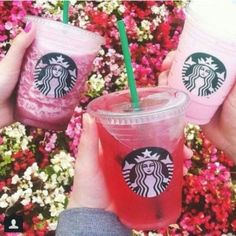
<point>22,159</point>
<point>100,19</point>
<point>233,224</point>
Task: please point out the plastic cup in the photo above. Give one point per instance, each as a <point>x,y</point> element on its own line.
<point>204,64</point>
<point>54,71</point>
<point>143,154</point>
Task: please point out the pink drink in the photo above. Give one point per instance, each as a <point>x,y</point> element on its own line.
<point>143,154</point>
<point>204,64</point>
<point>54,72</point>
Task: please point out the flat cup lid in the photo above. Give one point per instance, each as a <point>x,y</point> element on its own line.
<point>156,104</point>
<point>66,36</point>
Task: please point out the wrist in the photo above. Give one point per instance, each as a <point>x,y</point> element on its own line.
<point>6,114</point>
<point>230,151</point>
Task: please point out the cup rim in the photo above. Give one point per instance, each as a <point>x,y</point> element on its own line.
<point>130,117</point>
<point>59,24</point>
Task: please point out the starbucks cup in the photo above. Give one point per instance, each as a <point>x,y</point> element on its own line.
<point>204,65</point>
<point>143,154</point>
<point>54,71</point>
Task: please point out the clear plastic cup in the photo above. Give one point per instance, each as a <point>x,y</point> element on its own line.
<point>143,154</point>
<point>54,71</point>
<point>204,65</point>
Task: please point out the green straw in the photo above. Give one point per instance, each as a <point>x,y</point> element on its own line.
<point>128,65</point>
<point>65,11</point>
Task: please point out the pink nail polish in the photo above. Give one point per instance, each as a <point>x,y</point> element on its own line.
<point>28,27</point>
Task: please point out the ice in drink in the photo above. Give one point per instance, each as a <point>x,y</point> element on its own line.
<point>54,71</point>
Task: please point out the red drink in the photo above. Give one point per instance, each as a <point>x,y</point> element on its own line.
<point>135,211</point>
<point>143,155</point>
<point>54,71</point>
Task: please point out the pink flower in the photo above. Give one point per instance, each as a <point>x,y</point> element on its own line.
<point>8,25</point>
<point>3,38</point>
<point>51,144</point>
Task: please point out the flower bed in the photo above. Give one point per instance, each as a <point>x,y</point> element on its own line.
<point>36,166</point>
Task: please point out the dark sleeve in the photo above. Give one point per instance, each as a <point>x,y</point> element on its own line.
<point>90,222</point>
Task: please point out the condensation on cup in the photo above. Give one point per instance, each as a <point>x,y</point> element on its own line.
<point>142,157</point>
<point>204,65</point>
<point>54,71</point>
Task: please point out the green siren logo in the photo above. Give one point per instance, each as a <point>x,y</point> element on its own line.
<point>148,171</point>
<point>55,75</point>
<point>203,74</point>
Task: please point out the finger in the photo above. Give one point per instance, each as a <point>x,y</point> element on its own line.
<point>231,100</point>
<point>168,61</point>
<point>188,153</point>
<point>88,147</point>
<point>162,79</point>
<point>12,61</point>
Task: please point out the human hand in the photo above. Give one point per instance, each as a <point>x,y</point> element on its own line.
<point>9,73</point>
<point>221,129</point>
<point>89,188</point>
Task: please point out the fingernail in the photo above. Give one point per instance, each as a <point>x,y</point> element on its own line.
<point>28,27</point>
<point>87,120</point>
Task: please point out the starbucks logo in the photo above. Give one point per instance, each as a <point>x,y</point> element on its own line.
<point>55,75</point>
<point>203,74</point>
<point>148,171</point>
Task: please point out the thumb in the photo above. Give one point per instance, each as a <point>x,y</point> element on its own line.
<point>12,60</point>
<point>188,153</point>
<point>231,99</point>
<point>88,148</point>
<point>168,61</point>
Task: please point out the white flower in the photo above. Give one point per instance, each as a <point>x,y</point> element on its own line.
<point>72,2</point>
<point>96,82</point>
<point>37,199</point>
<point>190,136</point>
<point>155,9</point>
<point>57,168</point>
<point>8,153</point>
<point>60,198</point>
<point>121,8</point>
<point>43,176</point>
<point>50,185</point>
<point>45,192</point>
<point>48,200</point>
<point>15,196</point>
<point>54,178</point>
<point>156,21</point>
<point>28,192</point>
<point>40,216</point>
<point>122,80</point>
<point>35,167</point>
<point>56,209</point>
<point>144,32</point>
<point>63,160</point>
<point>3,202</point>
<point>145,24</point>
<point>25,201</point>
<point>15,179</point>
<point>27,174</point>
<point>109,6</point>
<point>71,172</point>
<point>52,224</point>
<point>154,234</point>
<point>139,233</point>
<point>24,144</point>
<point>163,11</point>
<point>101,52</point>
